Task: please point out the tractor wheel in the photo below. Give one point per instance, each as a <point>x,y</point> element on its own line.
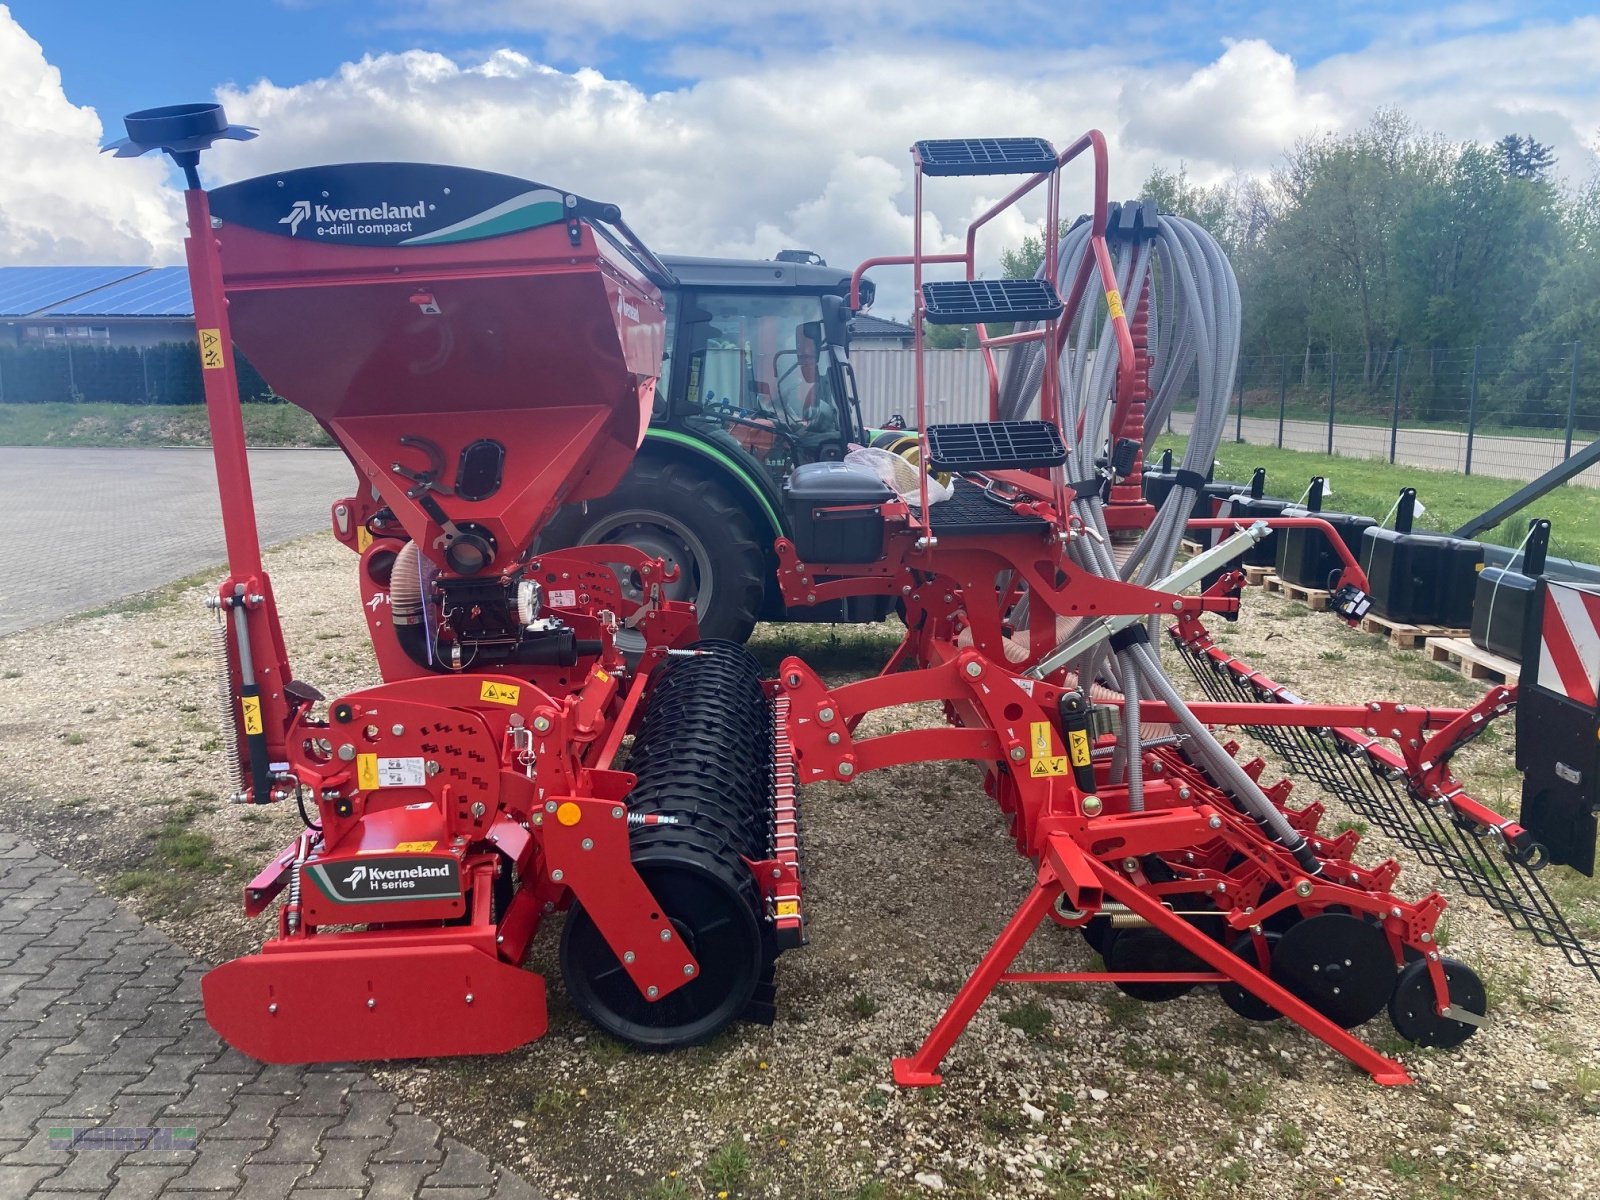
<point>669,511</point>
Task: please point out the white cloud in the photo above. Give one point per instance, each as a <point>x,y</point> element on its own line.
<point>1242,109</point>
<point>791,150</point>
<point>60,201</point>
<point>1482,85</point>
<point>812,153</point>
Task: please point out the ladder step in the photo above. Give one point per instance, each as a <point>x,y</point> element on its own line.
<point>985,156</point>
<point>995,446</point>
<point>963,301</point>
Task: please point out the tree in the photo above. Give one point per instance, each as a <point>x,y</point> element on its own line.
<point>1343,200</point>
<point>1521,157</point>
<point>948,337</point>
<point>1470,250</point>
<point>1024,261</point>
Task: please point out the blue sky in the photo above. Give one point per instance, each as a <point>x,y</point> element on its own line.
<point>744,126</point>
<point>117,55</point>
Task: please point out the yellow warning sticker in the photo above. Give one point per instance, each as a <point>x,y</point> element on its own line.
<point>211,349</point>
<point>601,675</point>
<point>1114,303</point>
<point>251,707</point>
<point>499,693</point>
<point>415,847</point>
<point>1078,747</point>
<point>363,538</point>
<point>788,908</point>
<point>367,772</point>
<point>1040,734</point>
<point>1050,764</point>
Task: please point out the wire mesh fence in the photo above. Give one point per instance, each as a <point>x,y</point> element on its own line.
<point>1508,411</point>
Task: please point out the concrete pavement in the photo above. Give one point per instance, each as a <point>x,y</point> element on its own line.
<point>81,528</point>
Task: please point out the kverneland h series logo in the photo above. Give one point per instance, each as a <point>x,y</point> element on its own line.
<point>388,879</point>
<point>331,221</point>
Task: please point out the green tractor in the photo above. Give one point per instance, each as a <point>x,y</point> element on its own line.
<point>756,381</point>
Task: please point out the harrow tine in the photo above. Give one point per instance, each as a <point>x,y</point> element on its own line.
<point>1358,773</point>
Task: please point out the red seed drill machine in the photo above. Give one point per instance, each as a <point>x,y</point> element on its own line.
<point>485,349</point>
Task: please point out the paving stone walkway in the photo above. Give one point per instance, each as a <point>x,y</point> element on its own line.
<point>112,1084</point>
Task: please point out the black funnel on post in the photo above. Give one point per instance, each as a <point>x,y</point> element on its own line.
<point>181,130</point>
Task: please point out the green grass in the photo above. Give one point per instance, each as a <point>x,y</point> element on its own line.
<point>1370,487</point>
<point>863,1004</point>
<point>178,854</point>
<point>1031,1018</point>
<point>164,596</point>
<point>728,1169</point>
<point>150,425</point>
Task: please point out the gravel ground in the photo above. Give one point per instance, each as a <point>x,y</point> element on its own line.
<point>108,759</point>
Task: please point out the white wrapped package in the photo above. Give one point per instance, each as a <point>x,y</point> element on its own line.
<point>904,476</point>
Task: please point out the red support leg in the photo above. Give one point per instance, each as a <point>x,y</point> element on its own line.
<point>922,1068</point>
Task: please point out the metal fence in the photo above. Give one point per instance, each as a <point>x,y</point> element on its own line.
<point>957,384</point>
<point>1506,411</point>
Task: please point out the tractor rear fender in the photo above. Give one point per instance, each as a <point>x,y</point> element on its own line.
<point>744,478</point>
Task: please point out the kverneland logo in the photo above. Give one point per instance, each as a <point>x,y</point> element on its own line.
<point>388,879</point>
<point>327,214</point>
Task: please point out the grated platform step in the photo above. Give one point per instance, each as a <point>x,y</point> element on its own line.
<point>971,512</point>
<point>995,446</point>
<point>964,301</point>
<point>986,156</point>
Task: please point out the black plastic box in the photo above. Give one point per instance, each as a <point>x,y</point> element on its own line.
<point>834,511</point>
<point>1157,479</point>
<point>1248,508</point>
<point>1502,608</point>
<point>1422,578</point>
<point>1305,557</point>
<point>1500,615</point>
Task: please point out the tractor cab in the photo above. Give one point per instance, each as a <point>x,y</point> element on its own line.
<point>758,358</point>
<point>755,381</point>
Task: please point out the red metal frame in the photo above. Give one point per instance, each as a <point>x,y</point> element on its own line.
<point>461,777</point>
<point>1091,847</point>
<point>469,775</point>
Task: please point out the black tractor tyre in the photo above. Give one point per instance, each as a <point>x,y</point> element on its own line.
<point>670,510</point>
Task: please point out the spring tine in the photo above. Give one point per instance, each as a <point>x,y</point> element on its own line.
<point>1347,767</point>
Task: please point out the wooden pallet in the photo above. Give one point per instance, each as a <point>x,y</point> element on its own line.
<point>1190,547</point>
<point>1316,599</point>
<point>1258,576</point>
<point>1403,636</point>
<point>1473,660</point>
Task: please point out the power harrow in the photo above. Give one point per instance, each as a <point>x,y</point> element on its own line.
<point>485,349</point>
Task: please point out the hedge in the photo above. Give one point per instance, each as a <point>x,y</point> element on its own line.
<point>168,373</point>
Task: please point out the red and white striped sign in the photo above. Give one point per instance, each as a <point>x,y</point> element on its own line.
<point>1569,643</point>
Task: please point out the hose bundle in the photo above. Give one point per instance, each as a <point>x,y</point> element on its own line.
<point>1195,323</point>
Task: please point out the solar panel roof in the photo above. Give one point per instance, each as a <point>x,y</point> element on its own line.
<point>26,290</point>
<point>161,292</point>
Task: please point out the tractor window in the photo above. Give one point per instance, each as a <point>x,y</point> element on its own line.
<point>664,382</point>
<point>766,373</point>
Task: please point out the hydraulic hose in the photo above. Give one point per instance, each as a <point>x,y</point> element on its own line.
<point>1194,333</point>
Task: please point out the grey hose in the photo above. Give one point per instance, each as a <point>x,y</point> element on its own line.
<point>1194,332</point>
